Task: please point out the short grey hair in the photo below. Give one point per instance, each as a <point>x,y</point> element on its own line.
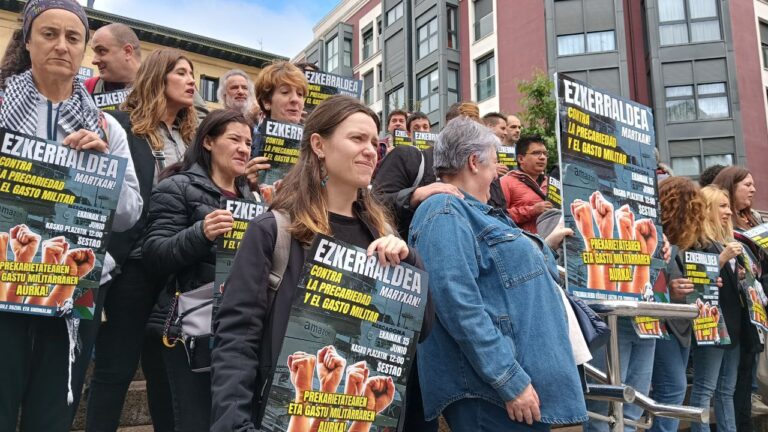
<point>461,138</point>
<point>221,93</point>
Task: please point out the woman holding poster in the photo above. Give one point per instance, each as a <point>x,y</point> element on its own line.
<point>715,367</point>
<point>44,98</point>
<point>280,91</point>
<point>741,189</point>
<point>325,193</point>
<point>499,357</point>
<point>185,219</point>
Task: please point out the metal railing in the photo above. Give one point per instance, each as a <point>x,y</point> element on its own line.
<point>484,26</point>
<point>610,387</point>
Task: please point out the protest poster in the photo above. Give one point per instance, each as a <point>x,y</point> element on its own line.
<point>555,192</point>
<point>323,85</point>
<point>228,244</point>
<point>506,156</point>
<point>110,101</point>
<point>56,208</point>
<point>703,269</point>
<point>359,322</point>
<point>609,191</point>
<point>758,235</point>
<point>753,291</point>
<point>280,143</point>
<point>424,140</point>
<point>401,138</point>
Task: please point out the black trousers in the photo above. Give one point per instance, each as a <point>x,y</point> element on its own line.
<point>34,365</point>
<point>191,391</point>
<point>120,343</point>
<point>742,396</point>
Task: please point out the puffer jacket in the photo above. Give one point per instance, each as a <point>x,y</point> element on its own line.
<point>175,248</point>
<point>521,194</point>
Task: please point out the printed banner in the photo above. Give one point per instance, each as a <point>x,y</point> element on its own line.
<point>609,193</point>
<point>111,101</point>
<point>703,270</point>
<point>555,192</point>
<point>401,138</point>
<point>759,235</point>
<point>506,155</point>
<point>280,143</point>
<point>351,338</point>
<point>228,244</point>
<point>323,85</point>
<point>56,208</point>
<point>753,291</point>
<point>424,140</point>
<point>650,327</point>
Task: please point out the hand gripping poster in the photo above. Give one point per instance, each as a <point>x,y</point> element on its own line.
<point>703,270</point>
<point>350,341</point>
<point>280,143</point>
<point>609,194</point>
<point>228,244</point>
<point>323,85</point>
<point>56,208</point>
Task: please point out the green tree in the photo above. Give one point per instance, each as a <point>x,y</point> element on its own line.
<point>539,114</point>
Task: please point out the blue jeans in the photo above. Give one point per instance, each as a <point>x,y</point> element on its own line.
<point>636,358</point>
<point>478,415</point>
<point>669,380</point>
<point>715,375</point>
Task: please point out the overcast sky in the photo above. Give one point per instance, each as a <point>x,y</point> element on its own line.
<point>278,27</point>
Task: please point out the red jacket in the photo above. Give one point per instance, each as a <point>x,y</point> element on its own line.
<point>520,191</point>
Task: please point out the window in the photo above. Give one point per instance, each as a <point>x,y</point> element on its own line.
<point>347,53</point>
<point>428,38</point>
<point>688,21</point>
<point>332,54</point>
<point>396,99</point>
<point>368,88</point>
<point>483,18</point>
<point>764,42</point>
<point>453,28</point>
<point>208,88</point>
<point>486,78</point>
<point>690,157</point>
<point>595,42</point>
<point>429,86</point>
<point>378,26</point>
<point>710,101</point>
<point>367,43</point>
<point>395,13</point>
<point>453,86</point>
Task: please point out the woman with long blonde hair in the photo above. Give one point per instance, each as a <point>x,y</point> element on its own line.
<point>160,120</point>
<point>715,367</point>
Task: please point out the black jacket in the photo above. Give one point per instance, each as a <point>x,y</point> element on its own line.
<point>175,247</point>
<point>248,337</point>
<point>122,243</point>
<point>395,177</point>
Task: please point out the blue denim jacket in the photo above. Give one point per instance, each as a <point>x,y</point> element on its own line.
<point>501,321</point>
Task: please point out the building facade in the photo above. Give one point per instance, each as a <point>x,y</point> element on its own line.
<point>210,57</point>
<point>700,64</point>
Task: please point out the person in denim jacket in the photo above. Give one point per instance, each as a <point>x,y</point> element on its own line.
<point>498,357</point>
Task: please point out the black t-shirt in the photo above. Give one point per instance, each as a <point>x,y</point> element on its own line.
<point>350,230</point>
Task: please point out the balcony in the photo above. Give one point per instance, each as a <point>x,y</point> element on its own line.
<point>486,88</point>
<point>484,26</point>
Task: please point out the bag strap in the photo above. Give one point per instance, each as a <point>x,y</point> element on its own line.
<point>279,256</point>
<point>420,175</point>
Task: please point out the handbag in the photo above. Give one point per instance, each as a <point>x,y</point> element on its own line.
<point>596,332</point>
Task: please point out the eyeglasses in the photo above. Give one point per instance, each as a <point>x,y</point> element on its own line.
<point>538,153</point>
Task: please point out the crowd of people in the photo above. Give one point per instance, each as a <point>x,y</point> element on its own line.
<point>500,348</point>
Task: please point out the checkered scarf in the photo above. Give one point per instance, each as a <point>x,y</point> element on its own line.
<point>18,111</point>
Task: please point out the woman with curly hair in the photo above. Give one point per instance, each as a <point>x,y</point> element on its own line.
<point>682,217</point>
